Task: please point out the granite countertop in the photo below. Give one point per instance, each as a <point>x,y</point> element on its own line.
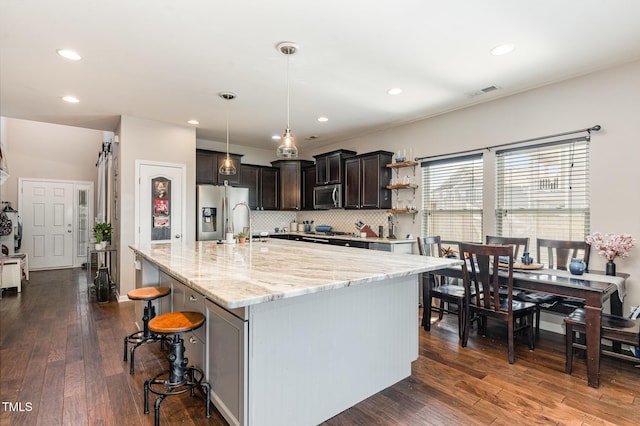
<point>351,238</point>
<point>239,275</point>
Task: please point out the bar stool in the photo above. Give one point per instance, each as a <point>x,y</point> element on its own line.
<point>179,378</point>
<point>144,336</point>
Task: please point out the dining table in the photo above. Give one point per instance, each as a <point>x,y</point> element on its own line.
<point>594,288</point>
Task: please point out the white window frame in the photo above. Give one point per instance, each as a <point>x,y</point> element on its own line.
<point>545,191</point>
<point>458,182</point>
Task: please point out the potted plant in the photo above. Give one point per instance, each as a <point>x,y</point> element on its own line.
<point>241,237</point>
<point>448,252</point>
<point>102,232</point>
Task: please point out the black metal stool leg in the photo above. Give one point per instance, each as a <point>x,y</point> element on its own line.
<point>146,395</point>
<point>156,409</point>
<point>208,398</point>
<point>176,380</point>
<point>126,344</point>
<point>142,337</point>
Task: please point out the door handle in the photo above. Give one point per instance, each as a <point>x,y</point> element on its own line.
<point>178,235</point>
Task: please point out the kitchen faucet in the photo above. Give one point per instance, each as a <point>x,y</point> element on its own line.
<point>242,203</point>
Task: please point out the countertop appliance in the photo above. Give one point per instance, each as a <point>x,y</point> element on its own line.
<point>327,197</point>
<point>215,211</point>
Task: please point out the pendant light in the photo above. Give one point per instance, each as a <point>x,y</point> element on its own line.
<point>287,148</point>
<point>227,168</point>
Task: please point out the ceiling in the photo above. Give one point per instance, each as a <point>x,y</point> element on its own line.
<point>167,60</point>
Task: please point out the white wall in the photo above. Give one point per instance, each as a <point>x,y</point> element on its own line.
<point>48,151</point>
<point>142,139</point>
<point>610,98</point>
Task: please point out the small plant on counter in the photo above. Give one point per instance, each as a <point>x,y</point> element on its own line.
<point>241,236</point>
<point>102,231</point>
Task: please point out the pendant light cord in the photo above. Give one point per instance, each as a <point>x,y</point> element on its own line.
<point>288,90</point>
<point>227,130</point>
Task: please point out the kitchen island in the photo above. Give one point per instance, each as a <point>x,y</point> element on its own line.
<point>296,332</point>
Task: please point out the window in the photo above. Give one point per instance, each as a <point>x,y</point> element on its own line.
<point>452,198</point>
<point>543,191</point>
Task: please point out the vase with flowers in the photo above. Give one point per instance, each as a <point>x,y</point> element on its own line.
<point>611,246</point>
<point>102,232</point>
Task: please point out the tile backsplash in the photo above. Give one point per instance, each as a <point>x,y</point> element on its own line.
<point>266,220</point>
<point>340,220</point>
<point>344,220</point>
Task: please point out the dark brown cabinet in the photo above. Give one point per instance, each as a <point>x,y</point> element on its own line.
<point>290,187</point>
<point>308,182</point>
<point>208,163</point>
<point>263,186</point>
<point>366,180</point>
<point>330,166</point>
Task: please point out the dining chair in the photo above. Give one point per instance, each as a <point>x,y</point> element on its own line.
<point>447,293</point>
<point>614,328</point>
<point>557,254</point>
<point>480,274</point>
<point>520,246</point>
<point>516,242</point>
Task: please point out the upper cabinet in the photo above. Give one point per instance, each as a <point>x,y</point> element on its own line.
<point>263,186</point>
<point>366,181</point>
<point>208,163</point>
<point>308,182</point>
<point>330,166</point>
<point>291,185</point>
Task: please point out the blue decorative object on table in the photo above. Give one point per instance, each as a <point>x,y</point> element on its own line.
<point>577,266</point>
<point>526,259</point>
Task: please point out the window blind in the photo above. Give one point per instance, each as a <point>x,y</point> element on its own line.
<point>452,198</point>
<point>543,191</point>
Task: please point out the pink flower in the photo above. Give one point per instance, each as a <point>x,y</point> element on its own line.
<point>613,245</point>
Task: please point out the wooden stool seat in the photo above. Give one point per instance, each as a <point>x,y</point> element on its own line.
<point>176,322</point>
<point>148,293</point>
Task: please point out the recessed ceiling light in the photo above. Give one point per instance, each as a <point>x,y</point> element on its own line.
<point>502,49</point>
<point>323,119</point>
<point>70,99</point>
<point>69,54</point>
<point>193,122</point>
<point>276,137</point>
<point>394,91</point>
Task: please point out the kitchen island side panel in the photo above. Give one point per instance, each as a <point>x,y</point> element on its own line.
<point>313,357</point>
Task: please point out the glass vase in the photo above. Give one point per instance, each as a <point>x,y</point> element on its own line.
<point>611,268</point>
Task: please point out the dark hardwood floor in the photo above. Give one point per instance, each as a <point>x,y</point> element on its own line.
<point>61,364</point>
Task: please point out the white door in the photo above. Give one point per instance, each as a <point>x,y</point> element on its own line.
<point>161,202</point>
<point>46,208</point>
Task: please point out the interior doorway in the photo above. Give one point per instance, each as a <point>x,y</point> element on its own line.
<point>55,219</point>
<point>160,202</point>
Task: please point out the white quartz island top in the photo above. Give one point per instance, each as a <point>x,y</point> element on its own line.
<point>239,275</point>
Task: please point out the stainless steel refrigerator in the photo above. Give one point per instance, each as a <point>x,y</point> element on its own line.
<point>215,210</point>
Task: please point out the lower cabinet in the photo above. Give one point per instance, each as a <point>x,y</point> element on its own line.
<point>227,337</point>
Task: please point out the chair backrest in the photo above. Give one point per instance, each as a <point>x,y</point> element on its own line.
<point>430,246</point>
<point>564,251</point>
<point>516,242</point>
<point>480,273</point>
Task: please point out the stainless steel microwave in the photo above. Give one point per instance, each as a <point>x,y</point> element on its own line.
<point>327,197</point>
